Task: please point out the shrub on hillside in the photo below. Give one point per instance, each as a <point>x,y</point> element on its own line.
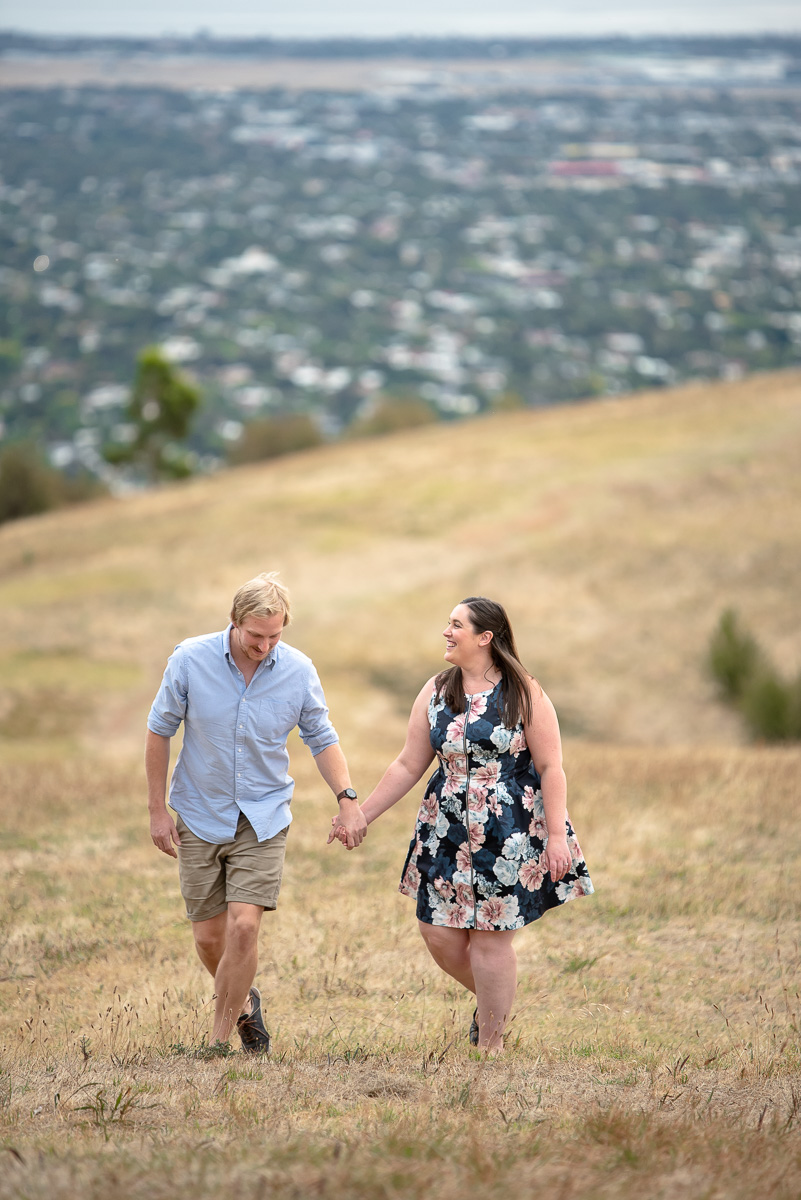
<point>28,485</point>
<point>734,656</point>
<point>271,437</point>
<point>390,416</point>
<point>767,705</point>
<point>770,706</point>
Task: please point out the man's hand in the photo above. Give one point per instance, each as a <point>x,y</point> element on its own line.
<point>350,826</point>
<point>164,833</point>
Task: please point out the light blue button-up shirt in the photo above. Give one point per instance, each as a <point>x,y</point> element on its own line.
<point>234,757</point>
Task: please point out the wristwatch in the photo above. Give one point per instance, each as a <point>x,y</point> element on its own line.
<point>347,794</point>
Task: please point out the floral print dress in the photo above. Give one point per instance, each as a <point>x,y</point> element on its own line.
<point>475,861</point>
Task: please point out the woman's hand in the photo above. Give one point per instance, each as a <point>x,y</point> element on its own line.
<point>557,857</point>
<point>341,833</point>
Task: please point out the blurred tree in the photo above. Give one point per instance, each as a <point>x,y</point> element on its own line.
<point>162,405</point>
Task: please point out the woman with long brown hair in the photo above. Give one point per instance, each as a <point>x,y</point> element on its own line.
<point>493,848</point>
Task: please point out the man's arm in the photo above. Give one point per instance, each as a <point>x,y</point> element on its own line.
<point>334,769</point>
<point>157,762</point>
<point>407,769</point>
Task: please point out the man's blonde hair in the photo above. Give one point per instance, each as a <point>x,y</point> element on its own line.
<point>263,596</point>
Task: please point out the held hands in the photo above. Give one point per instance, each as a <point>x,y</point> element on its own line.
<point>349,826</point>
<point>557,858</point>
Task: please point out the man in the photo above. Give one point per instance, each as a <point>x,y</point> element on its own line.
<point>239,693</point>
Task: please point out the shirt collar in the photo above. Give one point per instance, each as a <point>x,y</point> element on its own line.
<point>269,660</point>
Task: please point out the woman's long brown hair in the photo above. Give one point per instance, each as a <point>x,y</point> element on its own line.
<point>489,616</point>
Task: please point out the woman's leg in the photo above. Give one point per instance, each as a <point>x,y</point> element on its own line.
<point>485,963</point>
<point>450,950</point>
<point>493,964</point>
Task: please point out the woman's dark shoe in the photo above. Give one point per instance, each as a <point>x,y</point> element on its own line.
<point>250,1027</point>
<point>473,1034</point>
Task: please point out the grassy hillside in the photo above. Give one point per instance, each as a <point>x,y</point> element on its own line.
<point>655,1049</point>
<point>616,532</point>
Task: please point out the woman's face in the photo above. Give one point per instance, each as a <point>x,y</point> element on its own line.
<point>461,640</point>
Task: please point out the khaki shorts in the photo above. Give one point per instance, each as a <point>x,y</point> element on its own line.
<point>245,871</point>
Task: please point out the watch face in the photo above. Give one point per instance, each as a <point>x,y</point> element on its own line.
<point>349,793</point>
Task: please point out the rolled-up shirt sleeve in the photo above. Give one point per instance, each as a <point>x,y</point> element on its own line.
<point>314,724</point>
<point>169,708</point>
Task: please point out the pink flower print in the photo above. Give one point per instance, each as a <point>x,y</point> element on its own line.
<point>455,731</point>
<point>495,806</point>
<point>478,706</point>
<point>484,777</point>
<point>463,858</point>
<point>518,743</point>
<point>453,785</point>
<point>497,910</point>
<point>529,798</point>
<point>477,799</point>
<point>531,874</point>
<point>455,770</point>
<point>476,835</point>
<point>479,815</point>
<point>429,809</point>
<point>538,828</point>
<point>490,913</point>
<point>464,895</point>
<point>578,887</point>
<point>444,887</point>
<point>411,880</point>
<point>457,916</point>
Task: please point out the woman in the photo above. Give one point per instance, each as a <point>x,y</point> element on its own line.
<point>493,848</point>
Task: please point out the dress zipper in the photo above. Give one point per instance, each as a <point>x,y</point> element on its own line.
<point>469,700</point>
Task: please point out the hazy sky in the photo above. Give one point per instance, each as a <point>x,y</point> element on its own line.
<point>324,18</point>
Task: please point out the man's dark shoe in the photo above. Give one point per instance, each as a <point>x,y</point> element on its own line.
<point>250,1027</point>
<point>473,1034</point>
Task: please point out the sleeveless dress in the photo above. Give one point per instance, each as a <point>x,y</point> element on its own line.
<point>475,859</point>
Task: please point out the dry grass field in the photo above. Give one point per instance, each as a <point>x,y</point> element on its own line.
<point>655,1049</point>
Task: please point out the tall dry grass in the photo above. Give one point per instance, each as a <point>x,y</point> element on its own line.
<point>655,1042</point>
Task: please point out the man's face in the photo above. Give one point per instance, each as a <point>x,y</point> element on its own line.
<point>258,635</point>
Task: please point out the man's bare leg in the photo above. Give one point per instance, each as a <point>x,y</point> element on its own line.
<point>228,947</point>
<point>210,941</point>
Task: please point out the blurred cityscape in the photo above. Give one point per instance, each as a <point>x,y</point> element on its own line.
<point>604,222</point>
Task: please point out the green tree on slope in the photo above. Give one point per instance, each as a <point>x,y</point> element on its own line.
<point>162,405</point>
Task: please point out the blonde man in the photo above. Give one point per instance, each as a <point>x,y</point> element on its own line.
<point>239,693</point>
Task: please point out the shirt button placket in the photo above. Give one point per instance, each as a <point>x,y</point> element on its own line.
<point>240,739</point>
